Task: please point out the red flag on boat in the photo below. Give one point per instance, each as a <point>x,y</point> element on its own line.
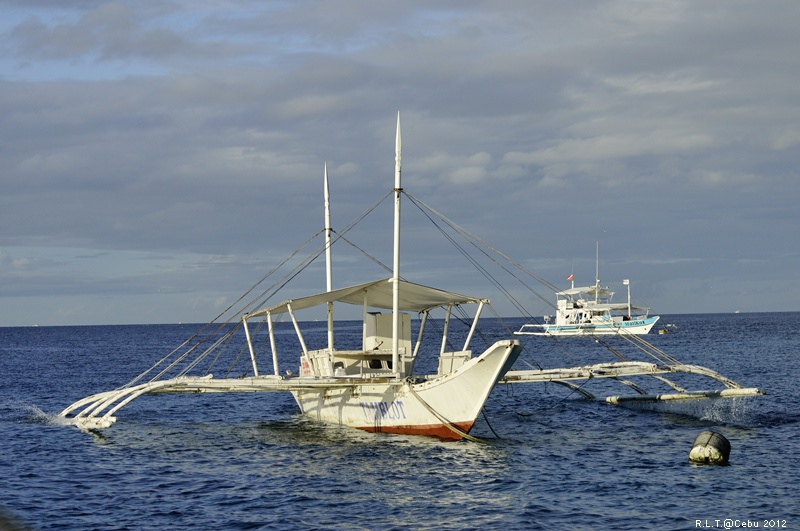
<point>569,277</point>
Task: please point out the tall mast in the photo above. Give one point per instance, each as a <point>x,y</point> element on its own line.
<point>328,266</point>
<point>396,265</point>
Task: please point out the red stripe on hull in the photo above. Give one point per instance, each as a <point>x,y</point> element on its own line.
<point>433,430</point>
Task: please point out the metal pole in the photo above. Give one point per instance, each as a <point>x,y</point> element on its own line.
<point>396,268</point>
<point>328,266</point>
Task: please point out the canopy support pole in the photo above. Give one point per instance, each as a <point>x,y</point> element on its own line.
<point>297,329</point>
<point>271,328</point>
<point>446,328</point>
<point>474,325</point>
<point>250,346</point>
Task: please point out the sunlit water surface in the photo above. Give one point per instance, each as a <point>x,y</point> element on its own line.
<point>551,460</point>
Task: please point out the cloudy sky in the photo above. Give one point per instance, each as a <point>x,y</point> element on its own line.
<point>158,157</point>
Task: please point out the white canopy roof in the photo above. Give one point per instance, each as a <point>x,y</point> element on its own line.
<point>589,290</point>
<point>620,306</point>
<point>413,297</point>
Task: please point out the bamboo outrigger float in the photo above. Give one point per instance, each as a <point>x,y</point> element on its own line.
<point>372,384</point>
<point>622,370</point>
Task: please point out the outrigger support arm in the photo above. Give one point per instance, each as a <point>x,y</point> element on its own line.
<point>621,370</point>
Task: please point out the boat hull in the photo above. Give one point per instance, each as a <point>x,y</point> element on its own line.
<point>444,406</point>
<point>635,326</point>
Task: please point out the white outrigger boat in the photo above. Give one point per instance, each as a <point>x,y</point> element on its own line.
<point>369,386</point>
<point>372,385</point>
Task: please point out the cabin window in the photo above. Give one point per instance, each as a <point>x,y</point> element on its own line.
<point>379,364</point>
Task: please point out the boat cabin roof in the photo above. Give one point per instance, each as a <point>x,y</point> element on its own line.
<point>614,307</point>
<point>376,294</point>
<point>587,290</point>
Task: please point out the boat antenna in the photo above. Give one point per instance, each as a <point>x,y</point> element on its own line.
<point>328,265</point>
<point>396,266</point>
<point>596,270</point>
<point>627,283</point>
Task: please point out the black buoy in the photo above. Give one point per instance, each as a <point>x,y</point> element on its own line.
<point>710,447</point>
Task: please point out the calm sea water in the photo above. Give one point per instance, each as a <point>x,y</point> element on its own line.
<point>551,459</point>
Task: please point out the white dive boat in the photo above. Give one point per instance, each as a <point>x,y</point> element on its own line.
<point>369,385</point>
<point>373,379</point>
<point>589,311</point>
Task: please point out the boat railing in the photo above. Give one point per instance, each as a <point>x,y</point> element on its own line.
<point>351,363</point>
<point>450,361</point>
<point>530,328</point>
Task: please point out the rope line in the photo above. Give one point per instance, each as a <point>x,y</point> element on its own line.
<point>447,424</point>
